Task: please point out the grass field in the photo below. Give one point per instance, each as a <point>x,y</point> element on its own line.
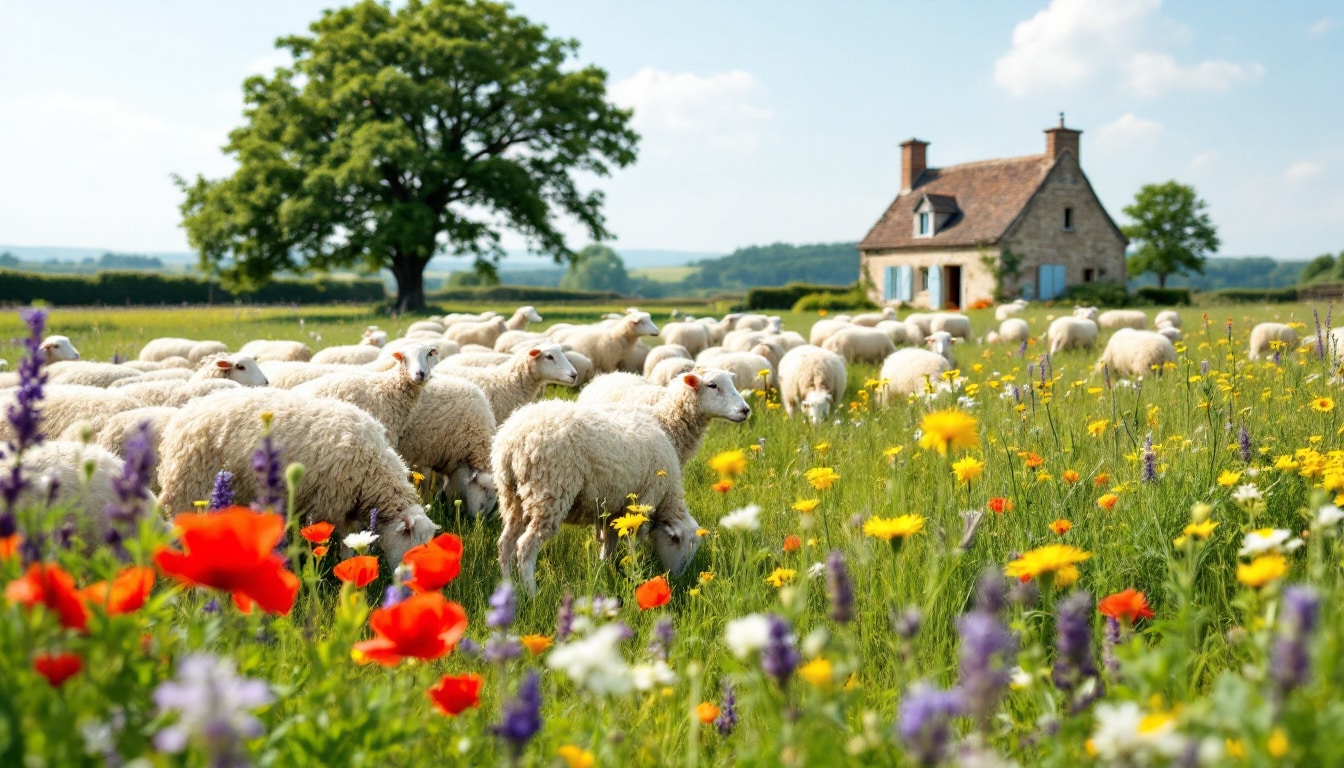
<point>664,274</point>
<point>931,665</point>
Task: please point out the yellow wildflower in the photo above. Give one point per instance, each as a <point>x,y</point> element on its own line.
<point>888,528</point>
<point>817,672</point>
<point>1200,531</point>
<point>639,509</point>
<point>729,463</point>
<point>1322,405</point>
<point>535,644</point>
<point>576,756</point>
<point>1278,743</point>
<point>1262,570</point>
<point>1097,428</point>
<point>821,478</point>
<point>1058,559</point>
<point>628,524</point>
<point>806,506</point>
<point>1227,478</point>
<point>948,429</point>
<point>781,576</point>
<point>822,447</point>
<point>968,468</point>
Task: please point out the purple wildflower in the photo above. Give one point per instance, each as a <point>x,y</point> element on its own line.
<point>270,480</point>
<point>840,587</point>
<point>503,607</point>
<point>132,485</point>
<point>780,655</point>
<point>1290,661</point>
<point>906,623</point>
<point>1149,472</point>
<point>24,416</point>
<point>1244,445</point>
<point>727,719</point>
<point>469,648</point>
<point>501,648</point>
<point>521,717</point>
<point>221,496</point>
<point>991,593</point>
<point>987,649</point>
<point>1203,367</point>
<point>373,519</point>
<point>213,705</point>
<point>1022,349</point>
<point>564,618</point>
<point>1075,671</point>
<point>664,632</point>
<point>394,594</point>
<point>1108,643</point>
<point>925,723</point>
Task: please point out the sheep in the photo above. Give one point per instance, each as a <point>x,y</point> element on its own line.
<point>509,341</point>
<point>746,367</point>
<point>752,322</point>
<point>1069,332</point>
<point>743,341</point>
<point>483,332</point>
<point>823,329</point>
<point>620,387</point>
<point>1167,317</point>
<point>155,350</point>
<point>582,366</point>
<point>112,433</point>
<point>481,359</point>
<point>1086,313</point>
<point>633,362</point>
<point>237,367</point>
<point>88,373</point>
<point>857,344</point>
<point>1131,353</point>
<point>813,379</point>
<point>389,396</point>
<point>692,336</point>
<point>1170,331</point>
<point>432,326</point>
<point>203,349</point>
<point>910,371</point>
<point>557,462</point>
<point>288,375</point>
<point>57,472</point>
<point>161,374</point>
<point>66,404</point>
<point>788,339</point>
<point>956,324</point>
<point>1014,330</point>
<point>263,350</point>
<point>349,467</point>
<point>663,352</point>
<point>871,319</point>
<point>898,331</point>
<point>717,329</point>
<point>921,320</point>
<point>521,380</point>
<point>683,407</point>
<point>1012,309</point>
<point>174,393</point>
<point>521,317</point>
<point>1122,318</point>
<point>449,432</point>
<point>668,369</point>
<point>1264,335</point>
<point>347,354</point>
<point>373,336</point>
<point>606,347</point>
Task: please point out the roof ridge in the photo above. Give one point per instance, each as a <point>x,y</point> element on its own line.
<point>995,161</point>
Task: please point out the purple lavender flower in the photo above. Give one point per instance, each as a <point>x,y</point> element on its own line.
<point>987,649</point>
<point>24,416</point>
<point>664,632</point>
<point>1022,349</point>
<point>1149,472</point>
<point>501,648</point>
<point>991,593</point>
<point>469,648</point>
<point>520,718</point>
<point>1290,659</point>
<point>221,496</point>
<point>840,587</point>
<point>1108,643</point>
<point>394,594</point>
<point>1244,445</point>
<point>270,479</point>
<point>780,655</point>
<point>1203,367</point>
<point>503,607</point>
<point>727,719</point>
<point>1075,671</point>
<point>925,722</point>
<point>373,519</point>
<point>564,618</point>
<point>132,485</point>
<point>906,623</point>
<point>213,705</point>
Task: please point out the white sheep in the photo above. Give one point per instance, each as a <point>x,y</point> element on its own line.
<point>813,379</point>
<point>113,432</point>
<point>235,367</point>
<point>1014,330</point>
<point>521,317</point>
<point>349,468</point>
<point>433,326</point>
<point>898,331</point>
<point>921,320</point>
<point>481,359</point>
<point>608,346</point>
<point>788,339</point>
<point>509,341</point>
<point>263,350</point>
<point>346,354</point>
<point>65,404</point>
<point>155,350</point>
<point>520,381</point>
<point>694,337</point>
<point>1070,332</point>
<point>663,352</point>
<point>483,332</point>
<point>860,345</point>
<point>1132,353</point>
<point>823,329</point>
<point>633,362</point>
<point>956,324</point>
<point>389,396</point>
<point>668,369</point>
<point>719,328</point>
<point>910,371</point>
<point>683,407</point>
<point>753,322</point>
<point>450,432</point>
<point>203,349</point>
<point>57,472</point>
<point>582,366</point>
<point>162,374</point>
<point>871,319</point>
<point>373,336</point>
<point>1167,317</point>
<point>174,393</point>
<point>1112,319</point>
<point>1011,309</point>
<point>746,367</point>
<point>1086,313</point>
<point>1170,331</point>
<point>1264,335</point>
<point>88,373</point>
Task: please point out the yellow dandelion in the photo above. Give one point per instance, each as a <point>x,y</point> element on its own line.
<point>892,452</point>
<point>889,528</point>
<point>1262,570</point>
<point>1322,405</point>
<point>1201,530</point>
<point>628,524</point>
<point>807,506</point>
<point>822,447</point>
<point>781,576</point>
<point>821,478</point>
<point>1227,478</point>
<point>729,463</point>
<point>1277,744</point>
<point>819,673</point>
<point>951,428</point>
<point>639,509</point>
<point>416,479</point>
<point>1056,559</point>
<point>701,532</point>
<point>1107,501</point>
<point>706,577</point>
<point>1061,526</point>
<point>1098,428</point>
<point>576,756</point>
<point>967,469</point>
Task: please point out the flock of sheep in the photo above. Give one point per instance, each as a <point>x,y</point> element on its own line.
<point>459,399</point>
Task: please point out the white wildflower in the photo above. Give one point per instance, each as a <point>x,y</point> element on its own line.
<point>1247,493</point>
<point>594,662</point>
<point>747,518</point>
<point>747,635</point>
<point>1265,540</point>
<point>1125,734</point>
<point>647,675</point>
<point>816,570</point>
<point>1328,515</point>
<point>360,540</point>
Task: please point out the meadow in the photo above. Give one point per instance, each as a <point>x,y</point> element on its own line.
<point>939,581</point>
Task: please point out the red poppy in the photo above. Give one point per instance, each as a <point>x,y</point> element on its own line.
<point>455,695</point>
<point>423,626</point>
<point>358,570</point>
<point>50,585</point>
<point>125,593</point>
<point>652,593</point>
<point>9,545</point>
<point>998,505</point>
<point>233,550</point>
<point>792,543</point>
<point>1129,606</point>
<point>434,564</point>
<point>317,533</point>
<point>723,486</point>
<point>320,551</point>
<point>57,667</point>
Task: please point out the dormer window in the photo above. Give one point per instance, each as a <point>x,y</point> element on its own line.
<point>924,225</point>
<point>1068,219</point>
<point>933,214</point>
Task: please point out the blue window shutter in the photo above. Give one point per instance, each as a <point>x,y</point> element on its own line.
<point>905,283</point>
<point>888,283</point>
<point>1059,280</point>
<point>935,287</point>
<point>1050,281</point>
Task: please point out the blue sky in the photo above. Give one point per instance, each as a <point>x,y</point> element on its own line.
<point>762,121</point>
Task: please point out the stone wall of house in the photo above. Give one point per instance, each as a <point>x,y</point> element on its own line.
<point>977,283</point>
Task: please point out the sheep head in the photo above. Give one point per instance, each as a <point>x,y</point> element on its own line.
<point>817,405</point>
<point>415,360</point>
<point>475,488</point>
<point>715,394</point>
<point>549,363</point>
<point>640,324</point>
<point>675,541</point>
<point>57,348</point>
<point>240,368</point>
<point>397,533</point>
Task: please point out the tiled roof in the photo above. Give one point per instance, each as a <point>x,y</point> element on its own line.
<point>989,196</point>
<point>942,203</point>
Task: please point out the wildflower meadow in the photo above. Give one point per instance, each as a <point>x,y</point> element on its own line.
<point>1032,563</point>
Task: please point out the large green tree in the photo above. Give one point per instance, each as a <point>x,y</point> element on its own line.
<point>1171,229</point>
<point>597,268</point>
<point>398,134</point>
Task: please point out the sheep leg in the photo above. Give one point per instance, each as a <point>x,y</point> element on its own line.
<point>542,524</point>
<point>511,510</point>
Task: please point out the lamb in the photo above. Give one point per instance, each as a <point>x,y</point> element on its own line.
<point>717,329</point>
<point>921,320</point>
<point>1264,335</point>
<point>240,368</point>
<point>1170,331</point>
<point>521,317</point>
<point>956,324</point>
<point>1070,332</point>
<point>88,373</point>
<point>898,331</point>
<point>57,470</point>
<point>557,462</point>
<point>450,432</point>
<point>823,330</point>
<point>691,336</point>
<point>746,367</point>
<point>1122,318</point>
<point>813,379</point>
<point>373,336</point>
<point>582,366</point>
<point>1167,317</point>
<point>860,345</point>
<point>54,349</point>
<point>483,332</point>
<point>663,352</point>
<point>606,347</point>
<point>1012,309</point>
<point>871,319</point>
<point>349,466</point>
<point>263,350</point>
<point>389,396</point>
<point>910,371</point>
<point>1131,353</point>
<point>520,381</point>
<point>1014,330</point>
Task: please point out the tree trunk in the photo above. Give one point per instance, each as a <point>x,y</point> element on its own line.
<point>1162,280</point>
<point>410,275</point>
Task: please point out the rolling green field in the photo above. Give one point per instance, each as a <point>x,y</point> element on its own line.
<point>1089,484</point>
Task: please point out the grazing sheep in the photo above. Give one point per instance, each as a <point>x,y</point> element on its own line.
<point>1112,319</point>
<point>754,322</point>
<point>161,374</point>
<point>65,404</point>
<point>373,336</point>
<point>203,349</point>
<point>432,326</point>
<point>173,393</point>
<point>670,368</point>
<point>1167,317</point>
<point>450,432</point>
<point>898,331</point>
<point>956,324</point>
<point>1014,330</point>
<point>481,359</point>
<point>112,433</point>
<point>347,354</point>
<point>349,467</point>
<point>683,407</point>
<point>910,371</point>
<point>663,352</point>
<point>746,367</point>
<point>1170,331</point>
<point>582,366</point>
<point>1264,335</point>
<point>518,382</point>
<point>521,317</point>
<point>691,336</point>
<point>608,346</point>
<point>509,341</point>
<point>860,345</point>
<point>718,328</point>
<point>88,374</point>
<point>155,350</point>
<point>1130,353</point>
<point>263,350</point>
<point>1012,309</point>
<point>483,332</point>
<point>921,320</point>
<point>389,396</point>
<point>1086,313</point>
<point>556,462</point>
<point>633,362</point>
<point>813,379</point>
<point>871,319</point>
<point>1070,332</point>
<point>788,340</point>
<point>823,330</point>
<point>56,470</point>
<point>240,368</point>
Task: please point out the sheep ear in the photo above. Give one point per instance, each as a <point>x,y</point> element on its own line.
<point>534,352</point>
<point>671,532</point>
<point>691,380</point>
<point>399,356</point>
<point>223,365</point>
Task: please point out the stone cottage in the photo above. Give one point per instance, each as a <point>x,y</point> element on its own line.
<point>942,238</point>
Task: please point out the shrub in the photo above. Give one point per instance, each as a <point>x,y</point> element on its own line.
<point>148,288</point>
<point>833,301</point>
<point>1103,294</point>
<point>1163,297</point>
<point>786,296</point>
<point>522,293</point>
<point>1248,296</point>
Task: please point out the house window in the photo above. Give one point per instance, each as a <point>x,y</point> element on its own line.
<point>1068,219</point>
<point>923,278</point>
<point>1089,275</point>
<point>924,225</point>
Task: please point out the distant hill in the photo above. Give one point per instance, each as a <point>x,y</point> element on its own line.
<point>1234,272</point>
<point>777,264</point>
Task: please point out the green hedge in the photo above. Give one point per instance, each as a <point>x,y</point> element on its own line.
<point>833,302</point>
<point>149,288</point>
<point>1163,297</point>
<point>523,293</point>
<point>1101,294</point>
<point>786,296</point>
<point>1248,296</point>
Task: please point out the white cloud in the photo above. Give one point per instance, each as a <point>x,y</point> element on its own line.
<point>1204,160</point>
<point>1128,131</point>
<point>1073,43</point>
<point>1321,27</point>
<point>723,109</point>
<point>1301,171</point>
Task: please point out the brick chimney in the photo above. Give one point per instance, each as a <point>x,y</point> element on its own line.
<point>912,162</point>
<point>1059,139</point>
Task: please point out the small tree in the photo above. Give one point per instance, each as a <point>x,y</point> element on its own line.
<point>597,268</point>
<point>1321,265</point>
<point>1171,230</point>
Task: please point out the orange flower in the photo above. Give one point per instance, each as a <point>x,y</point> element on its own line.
<point>792,543</point>
<point>455,695</point>
<point>652,593</point>
<point>707,712</point>
<point>233,550</point>
<point>424,626</point>
<point>1069,476</point>
<point>1061,526</point>
<point>1107,501</point>
<point>998,505</point>
<point>535,644</point>
<point>723,486</point>
<point>1033,460</point>
<point>1101,479</point>
<point>124,593</point>
<point>57,667</point>
<point>320,551</point>
<point>318,533</point>
<point>434,564</point>
<point>49,585</point>
<point>1129,605</point>
<point>358,570</point>
<point>9,545</point>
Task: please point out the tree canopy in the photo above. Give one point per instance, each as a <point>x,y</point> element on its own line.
<point>1171,229</point>
<point>398,134</point>
<point>597,268</point>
